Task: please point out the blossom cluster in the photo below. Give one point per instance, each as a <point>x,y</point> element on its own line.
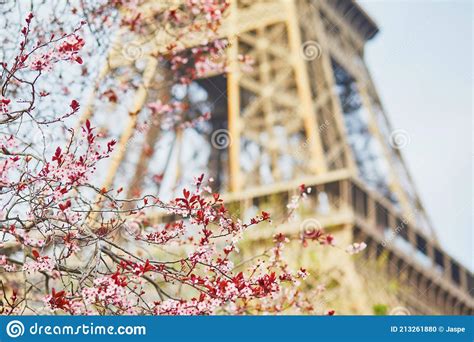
<point>67,50</point>
<point>44,263</point>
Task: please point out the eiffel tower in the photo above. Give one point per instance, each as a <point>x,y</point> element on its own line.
<point>307,112</point>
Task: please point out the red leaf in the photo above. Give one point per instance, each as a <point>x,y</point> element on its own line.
<point>111,95</point>
<point>65,205</point>
<point>30,16</point>
<point>110,145</point>
<point>57,155</point>
<point>74,105</point>
<point>186,193</point>
<point>35,253</point>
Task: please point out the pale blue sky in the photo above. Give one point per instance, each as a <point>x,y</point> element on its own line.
<point>421,62</point>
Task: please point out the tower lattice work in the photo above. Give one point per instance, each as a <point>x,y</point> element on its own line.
<point>308,112</point>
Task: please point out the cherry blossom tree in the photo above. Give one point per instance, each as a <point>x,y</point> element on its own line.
<point>71,247</point>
